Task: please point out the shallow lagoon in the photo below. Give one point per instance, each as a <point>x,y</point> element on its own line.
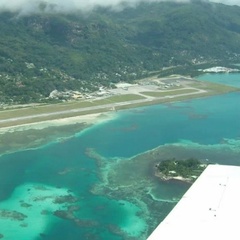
<point>230,79</point>
<point>107,169</point>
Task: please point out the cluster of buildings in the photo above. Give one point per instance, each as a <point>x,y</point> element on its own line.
<point>220,70</point>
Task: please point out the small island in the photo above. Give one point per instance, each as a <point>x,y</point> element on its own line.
<point>185,170</point>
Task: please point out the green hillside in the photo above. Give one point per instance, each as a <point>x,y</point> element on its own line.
<point>43,52</point>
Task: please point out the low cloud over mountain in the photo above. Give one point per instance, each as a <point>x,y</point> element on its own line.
<point>33,6</point>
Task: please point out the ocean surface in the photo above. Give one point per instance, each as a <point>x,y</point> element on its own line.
<point>230,79</point>
<point>99,183</point>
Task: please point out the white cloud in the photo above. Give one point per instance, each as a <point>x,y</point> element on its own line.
<point>227,2</point>
<point>28,6</point>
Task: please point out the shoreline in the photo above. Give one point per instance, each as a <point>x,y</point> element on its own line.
<point>36,126</point>
<point>164,177</point>
<point>87,119</point>
<point>36,135</point>
<point>92,117</point>
<point>133,97</point>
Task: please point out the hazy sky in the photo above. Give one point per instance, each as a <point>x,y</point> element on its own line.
<point>28,6</point>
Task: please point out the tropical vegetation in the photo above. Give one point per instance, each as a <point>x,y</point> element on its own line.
<point>188,168</point>
<point>43,52</point>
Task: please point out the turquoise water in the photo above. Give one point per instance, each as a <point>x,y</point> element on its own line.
<point>96,185</point>
<point>136,131</point>
<point>230,79</point>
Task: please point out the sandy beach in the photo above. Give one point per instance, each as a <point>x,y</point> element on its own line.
<point>88,119</point>
<point>34,135</point>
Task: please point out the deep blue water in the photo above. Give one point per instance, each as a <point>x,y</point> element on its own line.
<point>65,167</point>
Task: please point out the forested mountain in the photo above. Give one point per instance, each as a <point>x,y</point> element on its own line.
<point>42,52</point>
